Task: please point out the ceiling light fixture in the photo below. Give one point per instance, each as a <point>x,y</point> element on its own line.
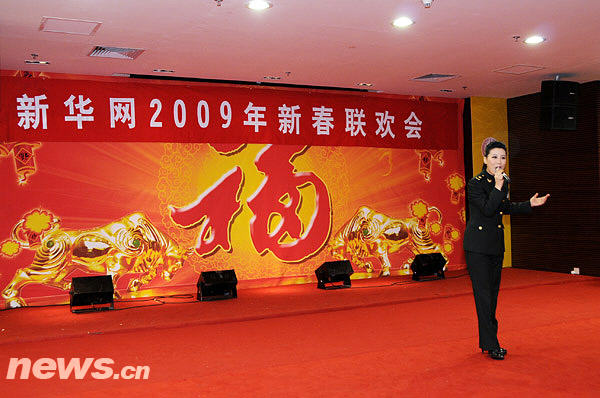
<point>536,39</point>
<point>35,61</point>
<point>259,5</point>
<point>402,22</point>
<point>364,84</point>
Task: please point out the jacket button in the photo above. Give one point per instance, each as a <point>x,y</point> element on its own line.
<point>499,226</point>
<point>480,227</point>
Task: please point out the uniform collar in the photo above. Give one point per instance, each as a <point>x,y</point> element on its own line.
<point>487,176</point>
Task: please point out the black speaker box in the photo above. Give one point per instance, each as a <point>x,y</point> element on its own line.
<point>431,264</point>
<point>559,105</point>
<point>91,293</point>
<point>334,271</point>
<point>217,285</point>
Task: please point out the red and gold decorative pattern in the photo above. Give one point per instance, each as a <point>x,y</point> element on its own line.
<point>253,199</point>
<point>29,74</point>
<point>372,235</point>
<point>10,248</point>
<point>456,184</point>
<point>426,159</point>
<point>23,157</point>
<point>38,221</point>
<point>131,245</point>
<point>27,232</point>
<point>106,181</point>
<point>462,215</point>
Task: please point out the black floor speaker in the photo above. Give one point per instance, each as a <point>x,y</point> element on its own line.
<point>331,272</point>
<point>428,265</point>
<point>91,293</point>
<point>217,285</point>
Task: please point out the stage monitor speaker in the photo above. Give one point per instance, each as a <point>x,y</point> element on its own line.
<point>431,264</point>
<point>217,285</point>
<point>331,272</point>
<point>91,293</point>
<point>559,105</point>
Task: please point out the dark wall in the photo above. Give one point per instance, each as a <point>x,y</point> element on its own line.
<point>565,233</point>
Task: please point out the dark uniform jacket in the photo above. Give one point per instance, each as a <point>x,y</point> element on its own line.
<point>485,231</point>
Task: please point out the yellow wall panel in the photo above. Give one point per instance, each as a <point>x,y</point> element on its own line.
<point>489,119</point>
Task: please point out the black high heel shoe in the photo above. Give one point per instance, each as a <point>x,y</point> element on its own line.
<point>497,353</point>
<point>503,351</point>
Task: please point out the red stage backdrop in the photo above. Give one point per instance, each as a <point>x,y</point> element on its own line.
<point>154,183</point>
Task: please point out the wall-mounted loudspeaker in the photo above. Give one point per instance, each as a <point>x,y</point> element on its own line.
<point>559,105</point>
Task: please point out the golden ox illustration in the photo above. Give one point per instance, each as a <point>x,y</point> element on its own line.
<point>369,235</point>
<point>129,245</point>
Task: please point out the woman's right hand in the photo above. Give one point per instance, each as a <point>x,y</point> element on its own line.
<point>499,178</point>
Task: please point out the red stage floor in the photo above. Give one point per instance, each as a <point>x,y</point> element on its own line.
<point>416,339</point>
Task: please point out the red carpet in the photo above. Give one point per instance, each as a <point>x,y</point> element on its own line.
<point>408,339</point>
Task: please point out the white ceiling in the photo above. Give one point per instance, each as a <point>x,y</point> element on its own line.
<point>320,42</point>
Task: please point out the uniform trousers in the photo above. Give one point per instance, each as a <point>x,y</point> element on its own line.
<point>485,271</point>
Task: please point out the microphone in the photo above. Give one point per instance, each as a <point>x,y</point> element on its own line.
<point>504,175</point>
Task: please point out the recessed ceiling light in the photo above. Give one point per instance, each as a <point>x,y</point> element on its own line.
<point>259,5</point>
<point>402,22</point>
<point>364,84</point>
<point>534,39</point>
<point>36,62</point>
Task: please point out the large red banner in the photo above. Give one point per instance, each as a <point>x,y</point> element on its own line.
<point>153,215</point>
<point>36,109</point>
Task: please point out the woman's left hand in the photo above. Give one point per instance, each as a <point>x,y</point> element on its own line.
<point>537,200</point>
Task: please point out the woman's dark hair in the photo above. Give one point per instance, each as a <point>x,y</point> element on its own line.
<point>494,144</point>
